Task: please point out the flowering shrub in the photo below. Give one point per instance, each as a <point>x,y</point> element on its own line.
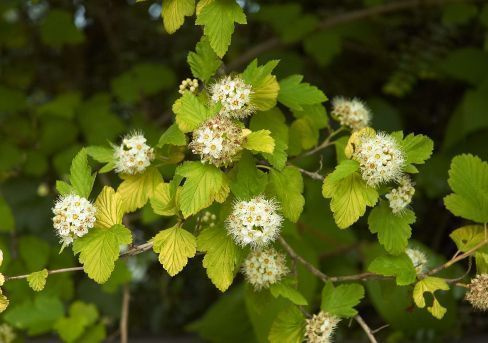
<point>235,183</point>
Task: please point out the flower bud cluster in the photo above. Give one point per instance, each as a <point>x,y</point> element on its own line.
<point>218,141</point>
<point>73,217</point>
<point>188,85</point>
<point>351,113</point>
<point>133,156</point>
<point>265,267</point>
<point>320,327</point>
<point>234,95</point>
<point>477,293</point>
<point>380,158</point>
<point>400,197</point>
<point>254,222</point>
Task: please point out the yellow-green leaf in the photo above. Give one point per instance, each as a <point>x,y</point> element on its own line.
<point>174,13</point>
<point>135,190</point>
<point>350,196</point>
<point>37,280</point>
<point>162,201</point>
<point>191,112</point>
<point>430,284</point>
<point>3,302</point>
<point>260,141</point>
<point>265,87</point>
<point>222,258</point>
<point>99,249</point>
<point>175,246</point>
<point>109,208</point>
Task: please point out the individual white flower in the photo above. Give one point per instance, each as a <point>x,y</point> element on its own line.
<point>133,156</point>
<point>380,158</point>
<point>265,267</point>
<point>477,293</point>
<point>218,141</point>
<point>234,95</point>
<point>320,328</point>
<point>188,85</point>
<point>418,258</point>
<point>254,222</point>
<point>400,197</point>
<point>351,113</point>
<point>73,217</point>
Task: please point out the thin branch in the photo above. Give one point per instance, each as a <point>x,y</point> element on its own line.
<point>124,316</point>
<point>456,259</point>
<point>366,328</point>
<point>131,252</point>
<point>300,259</point>
<point>312,175</point>
<point>339,19</point>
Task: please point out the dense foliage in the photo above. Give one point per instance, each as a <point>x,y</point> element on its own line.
<point>206,168</point>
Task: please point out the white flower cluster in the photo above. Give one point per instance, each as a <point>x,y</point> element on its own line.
<point>218,141</point>
<point>234,95</point>
<point>320,327</point>
<point>477,293</point>
<point>188,85</point>
<point>419,260</point>
<point>265,267</point>
<point>73,216</point>
<point>400,197</point>
<point>351,113</point>
<point>133,156</point>
<point>380,158</point>
<point>254,222</point>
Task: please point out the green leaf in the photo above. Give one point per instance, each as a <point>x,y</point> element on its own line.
<point>340,300</point>
<point>294,93</point>
<point>350,194</point>
<point>203,62</point>
<point>37,280</point>
<point>400,266</point>
<point>163,201</point>
<point>81,316</point>
<point>222,256</point>
<point>287,187</point>
<point>81,178</point>
<point>175,246</point>
<point>172,136</point>
<point>286,289</point>
<point>265,87</point>
<point>34,252</point>
<point>393,230</point>
<point>63,188</point>
<point>468,178</point>
<point>100,153</point>
<point>430,284</point>
<point>64,105</point>
<point>94,334</point>
<point>246,180</point>
<point>218,19</point>
<point>288,327</point>
<point>260,141</point>
<point>136,190</point>
<point>58,28</point>
<point>99,249</point>
<point>306,135</point>
<point>36,316</point>
<point>174,13</point>
<point>110,208</point>
<point>417,148</point>
<point>204,184</point>
<point>7,222</point>
<point>274,121</point>
<point>467,237</point>
<point>191,113</point>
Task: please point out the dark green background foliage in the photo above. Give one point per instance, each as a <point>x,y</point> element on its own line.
<point>75,73</point>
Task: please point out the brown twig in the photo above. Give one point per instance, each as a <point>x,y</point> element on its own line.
<point>124,316</point>
<point>336,20</point>
<point>131,252</point>
<point>366,328</point>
